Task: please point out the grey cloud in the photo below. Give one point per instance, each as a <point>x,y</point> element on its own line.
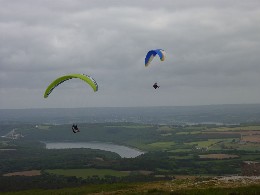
<point>212,48</point>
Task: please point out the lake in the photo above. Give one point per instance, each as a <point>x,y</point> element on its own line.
<point>123,151</point>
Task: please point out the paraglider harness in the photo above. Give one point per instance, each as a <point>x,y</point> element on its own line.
<point>75,128</point>
<point>155,86</point>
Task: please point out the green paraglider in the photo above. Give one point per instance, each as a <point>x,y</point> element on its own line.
<point>60,80</point>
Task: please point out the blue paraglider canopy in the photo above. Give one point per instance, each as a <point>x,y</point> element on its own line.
<point>152,53</point>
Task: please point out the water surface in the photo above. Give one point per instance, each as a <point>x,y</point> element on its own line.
<point>123,151</point>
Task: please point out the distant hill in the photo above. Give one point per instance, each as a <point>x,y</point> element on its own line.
<point>215,114</point>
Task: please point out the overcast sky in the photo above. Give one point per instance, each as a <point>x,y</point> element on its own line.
<point>212,52</point>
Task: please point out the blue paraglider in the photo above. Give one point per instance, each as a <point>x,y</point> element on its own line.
<point>152,53</point>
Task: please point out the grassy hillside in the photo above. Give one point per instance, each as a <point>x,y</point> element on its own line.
<point>191,186</point>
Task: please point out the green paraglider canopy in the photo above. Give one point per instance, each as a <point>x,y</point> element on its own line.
<point>60,80</point>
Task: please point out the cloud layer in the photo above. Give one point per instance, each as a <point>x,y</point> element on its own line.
<point>212,50</point>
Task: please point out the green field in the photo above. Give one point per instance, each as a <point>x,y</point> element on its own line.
<point>208,143</point>
<point>160,145</point>
<point>85,173</point>
<point>178,150</point>
<point>240,128</point>
<point>165,128</point>
<point>188,132</point>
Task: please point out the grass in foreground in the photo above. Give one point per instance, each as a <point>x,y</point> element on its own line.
<point>176,187</point>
